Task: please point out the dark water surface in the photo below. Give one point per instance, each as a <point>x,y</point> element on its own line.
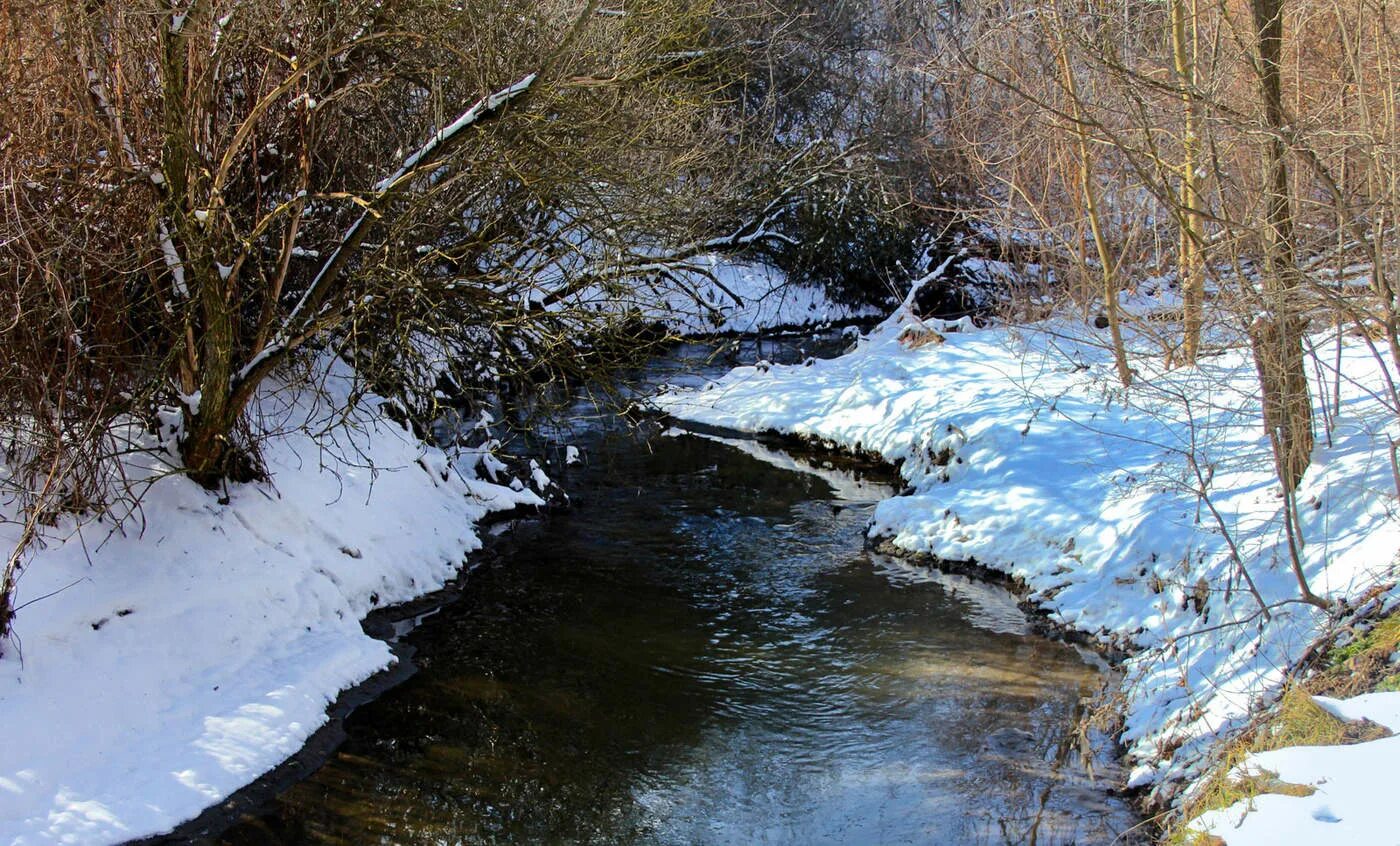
<point>702,653</point>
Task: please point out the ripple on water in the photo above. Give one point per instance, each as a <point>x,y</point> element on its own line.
<point>701,653</point>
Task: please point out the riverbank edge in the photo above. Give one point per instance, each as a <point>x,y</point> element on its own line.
<point>1114,650</point>
<point>225,635</point>
<point>1019,455</point>
<point>500,532</point>
<point>1152,810</point>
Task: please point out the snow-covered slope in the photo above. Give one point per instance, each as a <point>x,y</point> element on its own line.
<point>766,300</point>
<point>1024,455</point>
<point>160,666</point>
<point>1354,787</point>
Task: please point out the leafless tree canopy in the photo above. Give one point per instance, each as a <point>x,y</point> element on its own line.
<point>196,194</point>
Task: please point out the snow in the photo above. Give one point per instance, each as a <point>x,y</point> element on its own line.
<point>768,301</point>
<point>471,117</point>
<point>845,485</point>
<point>1354,788</point>
<point>172,660</point>
<point>1023,454</point>
<point>160,666</point>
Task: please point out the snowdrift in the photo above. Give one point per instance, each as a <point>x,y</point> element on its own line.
<point>161,664</point>
<point>1023,454</point>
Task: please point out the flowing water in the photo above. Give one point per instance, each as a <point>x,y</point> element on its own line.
<point>702,652</point>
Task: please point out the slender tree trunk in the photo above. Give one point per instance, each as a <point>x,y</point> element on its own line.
<point>1189,268</point>
<point>7,593</point>
<point>1089,190</point>
<point>1277,333</point>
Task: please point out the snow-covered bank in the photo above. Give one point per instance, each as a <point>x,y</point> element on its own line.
<point>162,664</point>
<point>1023,454</point>
<point>765,301</point>
<point>159,667</point>
<point>1352,786</point>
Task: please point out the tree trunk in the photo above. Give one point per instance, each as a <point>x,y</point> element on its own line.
<point>1278,357</point>
<point>7,594</point>
<point>209,419</point>
<point>208,454</point>
<point>1189,273</point>
<point>1277,334</point>
<point>1089,190</point>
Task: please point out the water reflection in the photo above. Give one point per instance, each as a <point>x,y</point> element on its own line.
<point>701,653</point>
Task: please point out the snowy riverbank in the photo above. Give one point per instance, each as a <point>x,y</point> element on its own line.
<point>1022,453</point>
<point>160,666</point>
<point>743,298</point>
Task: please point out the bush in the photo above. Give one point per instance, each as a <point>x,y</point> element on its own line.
<point>855,240</point>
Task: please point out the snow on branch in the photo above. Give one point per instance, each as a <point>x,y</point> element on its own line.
<point>169,252</point>
<point>437,148</point>
<point>472,116</point>
<point>755,229</point>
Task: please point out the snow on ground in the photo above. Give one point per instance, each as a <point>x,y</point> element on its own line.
<point>705,304</point>
<point>845,484</point>
<point>163,665</point>
<point>1023,454</point>
<point>1354,788</point>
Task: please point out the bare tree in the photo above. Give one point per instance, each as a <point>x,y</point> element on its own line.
<point>196,193</point>
<point>1277,333</point>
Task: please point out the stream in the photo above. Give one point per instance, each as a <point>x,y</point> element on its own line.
<point>701,651</point>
